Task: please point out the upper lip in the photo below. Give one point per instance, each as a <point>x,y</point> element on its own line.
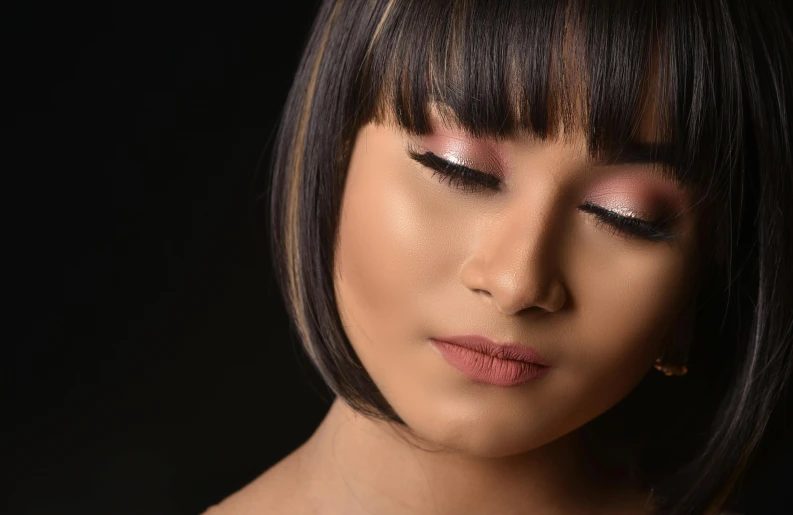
<point>513,351</point>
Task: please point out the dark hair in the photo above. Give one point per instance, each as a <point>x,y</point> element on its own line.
<point>720,71</point>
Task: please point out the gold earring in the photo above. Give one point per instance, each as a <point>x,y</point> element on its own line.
<point>674,356</point>
<point>669,369</point>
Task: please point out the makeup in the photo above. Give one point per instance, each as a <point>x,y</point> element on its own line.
<point>640,202</point>
<point>451,141</point>
<point>480,359</point>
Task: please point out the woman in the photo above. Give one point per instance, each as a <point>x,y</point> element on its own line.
<point>493,220</point>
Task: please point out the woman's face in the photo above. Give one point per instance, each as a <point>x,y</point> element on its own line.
<point>420,258</point>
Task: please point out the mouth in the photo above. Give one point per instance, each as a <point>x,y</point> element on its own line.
<point>483,360</point>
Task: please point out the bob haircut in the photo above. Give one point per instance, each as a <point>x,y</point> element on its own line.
<point>719,73</point>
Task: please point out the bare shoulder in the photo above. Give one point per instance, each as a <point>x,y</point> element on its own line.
<point>278,491</point>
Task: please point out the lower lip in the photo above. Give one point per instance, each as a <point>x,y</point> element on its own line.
<point>487,369</point>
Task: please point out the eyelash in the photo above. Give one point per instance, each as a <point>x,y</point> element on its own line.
<point>472,181</point>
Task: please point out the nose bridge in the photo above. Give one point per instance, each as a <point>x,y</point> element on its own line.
<point>516,261</point>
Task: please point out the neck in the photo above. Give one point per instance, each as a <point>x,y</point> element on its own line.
<point>369,466</point>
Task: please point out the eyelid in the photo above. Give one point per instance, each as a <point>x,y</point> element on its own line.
<point>457,166</point>
<point>468,179</point>
<point>485,161</point>
<point>652,230</point>
<point>621,207</point>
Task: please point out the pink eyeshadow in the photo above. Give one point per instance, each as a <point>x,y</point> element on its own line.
<point>640,191</point>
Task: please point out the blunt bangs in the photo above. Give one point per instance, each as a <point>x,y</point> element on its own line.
<point>548,68</point>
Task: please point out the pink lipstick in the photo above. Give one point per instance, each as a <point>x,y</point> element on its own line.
<point>481,359</point>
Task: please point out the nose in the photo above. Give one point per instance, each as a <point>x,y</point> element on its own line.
<point>515,263</point>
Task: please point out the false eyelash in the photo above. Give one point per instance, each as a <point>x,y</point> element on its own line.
<point>472,181</point>
<point>456,175</point>
<point>653,231</point>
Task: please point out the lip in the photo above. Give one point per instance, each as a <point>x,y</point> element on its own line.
<point>500,364</point>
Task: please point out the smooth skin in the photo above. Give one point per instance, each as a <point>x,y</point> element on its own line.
<point>418,257</point>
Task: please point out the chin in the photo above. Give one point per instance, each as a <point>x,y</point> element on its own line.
<point>480,436</point>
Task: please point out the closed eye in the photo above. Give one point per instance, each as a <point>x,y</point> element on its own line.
<point>472,181</point>
<point>457,175</point>
<point>648,230</point>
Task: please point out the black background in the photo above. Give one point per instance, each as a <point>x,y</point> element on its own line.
<point>148,366</point>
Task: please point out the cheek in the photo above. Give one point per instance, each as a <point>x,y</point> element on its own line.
<point>625,306</point>
<point>629,305</point>
<point>393,250</point>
